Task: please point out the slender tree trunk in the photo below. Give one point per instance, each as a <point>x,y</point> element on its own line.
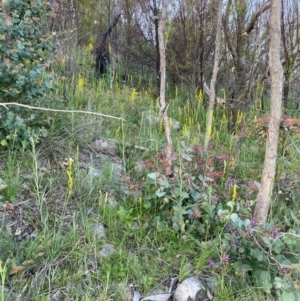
<point>156,24</point>
<point>162,101</point>
<point>212,95</point>
<point>264,195</point>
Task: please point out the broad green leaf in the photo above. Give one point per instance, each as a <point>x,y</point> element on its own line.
<point>257,254</point>
<point>153,175</point>
<point>287,296</point>
<point>160,192</point>
<point>3,142</point>
<point>263,280</point>
<point>163,181</point>
<point>230,204</point>
<point>295,266</point>
<point>234,218</point>
<point>187,157</point>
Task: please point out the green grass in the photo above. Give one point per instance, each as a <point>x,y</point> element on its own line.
<point>50,231</point>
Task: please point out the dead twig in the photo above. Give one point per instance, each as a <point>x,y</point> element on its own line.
<point>5,104</point>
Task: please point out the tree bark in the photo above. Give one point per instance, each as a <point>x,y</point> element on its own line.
<point>162,101</point>
<point>212,94</point>
<point>264,195</point>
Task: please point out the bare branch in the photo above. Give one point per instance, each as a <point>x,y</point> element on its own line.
<point>254,18</point>
<point>5,104</point>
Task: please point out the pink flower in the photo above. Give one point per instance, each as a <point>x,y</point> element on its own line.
<point>211,263</point>
<point>214,198</point>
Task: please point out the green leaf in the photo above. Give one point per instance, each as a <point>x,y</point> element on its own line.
<point>160,192</point>
<point>163,181</point>
<point>257,254</point>
<point>3,142</point>
<point>295,266</point>
<point>234,218</point>
<point>153,175</point>
<point>230,204</point>
<point>263,280</point>
<point>287,296</point>
<point>187,157</point>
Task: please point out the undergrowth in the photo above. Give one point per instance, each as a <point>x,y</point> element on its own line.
<point>197,222</point>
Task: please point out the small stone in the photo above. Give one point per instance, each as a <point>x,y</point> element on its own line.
<point>107,250</point>
<point>100,232</point>
<point>191,289</point>
<point>3,185</point>
<point>105,146</point>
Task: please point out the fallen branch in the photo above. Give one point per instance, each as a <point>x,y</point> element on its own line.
<point>56,110</point>
<point>219,100</point>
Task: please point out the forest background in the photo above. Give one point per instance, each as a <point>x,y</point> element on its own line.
<point>192,211</point>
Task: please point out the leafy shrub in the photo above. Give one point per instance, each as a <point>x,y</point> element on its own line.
<point>188,202</point>
<point>22,73</point>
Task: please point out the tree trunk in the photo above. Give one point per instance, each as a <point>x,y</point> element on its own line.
<point>156,24</point>
<point>212,95</point>
<point>162,101</point>
<point>264,195</point>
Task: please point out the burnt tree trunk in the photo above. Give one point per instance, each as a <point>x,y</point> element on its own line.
<point>101,52</point>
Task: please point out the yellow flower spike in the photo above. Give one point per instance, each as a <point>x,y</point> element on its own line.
<point>70,176</point>
<point>90,47</point>
<point>106,198</point>
<point>225,168</point>
<point>200,97</point>
<point>185,129</point>
<point>176,91</point>
<point>234,192</point>
<point>232,162</point>
<point>80,83</point>
<point>133,95</point>
<point>171,123</point>
<point>224,117</point>
<point>118,131</point>
<point>239,117</point>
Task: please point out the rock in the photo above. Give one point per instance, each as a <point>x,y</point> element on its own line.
<point>107,250</point>
<point>105,146</point>
<point>100,232</point>
<point>8,295</point>
<point>140,168</point>
<point>191,289</point>
<point>174,124</point>
<point>3,185</point>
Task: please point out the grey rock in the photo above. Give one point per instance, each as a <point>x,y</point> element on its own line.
<point>140,167</point>
<point>191,289</point>
<point>107,250</point>
<point>174,124</point>
<point>100,232</point>
<point>106,146</point>
<point>3,185</point>
<point>8,295</point>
